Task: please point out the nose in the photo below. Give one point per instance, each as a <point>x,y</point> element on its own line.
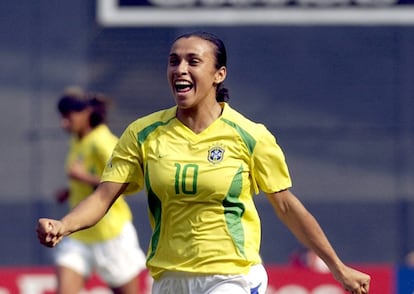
<point>182,67</point>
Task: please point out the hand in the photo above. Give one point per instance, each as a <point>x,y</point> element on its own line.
<point>354,281</point>
<point>62,195</point>
<point>49,232</point>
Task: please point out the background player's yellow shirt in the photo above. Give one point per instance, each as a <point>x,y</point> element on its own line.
<point>94,150</point>
<point>200,188</point>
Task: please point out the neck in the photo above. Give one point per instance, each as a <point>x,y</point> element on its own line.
<point>200,118</point>
<point>84,132</point>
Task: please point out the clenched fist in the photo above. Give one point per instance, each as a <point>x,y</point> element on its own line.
<point>49,231</point>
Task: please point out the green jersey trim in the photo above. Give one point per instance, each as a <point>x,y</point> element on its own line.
<point>144,133</point>
<point>154,205</point>
<point>234,210</point>
<point>246,137</point>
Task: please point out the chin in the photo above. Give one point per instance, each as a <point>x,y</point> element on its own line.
<point>183,106</point>
<point>183,103</point>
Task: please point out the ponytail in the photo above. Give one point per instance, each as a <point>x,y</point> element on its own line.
<point>222,94</point>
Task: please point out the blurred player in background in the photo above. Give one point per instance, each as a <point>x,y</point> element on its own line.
<point>111,247</point>
<point>303,258</point>
<point>201,162</point>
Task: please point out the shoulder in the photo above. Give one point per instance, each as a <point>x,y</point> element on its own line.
<point>102,138</point>
<point>145,125</point>
<point>158,117</point>
<point>102,132</point>
<point>242,124</point>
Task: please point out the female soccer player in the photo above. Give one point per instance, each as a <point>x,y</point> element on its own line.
<point>111,247</point>
<point>201,162</point>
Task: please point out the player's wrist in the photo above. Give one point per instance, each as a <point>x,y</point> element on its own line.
<point>65,227</point>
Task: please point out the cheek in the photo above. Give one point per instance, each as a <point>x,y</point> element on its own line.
<point>170,76</point>
<point>77,122</point>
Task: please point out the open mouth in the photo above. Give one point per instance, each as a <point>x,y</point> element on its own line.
<point>182,86</point>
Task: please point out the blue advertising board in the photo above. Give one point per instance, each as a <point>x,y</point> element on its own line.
<point>405,280</point>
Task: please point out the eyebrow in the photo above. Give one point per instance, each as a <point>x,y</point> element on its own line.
<point>187,55</point>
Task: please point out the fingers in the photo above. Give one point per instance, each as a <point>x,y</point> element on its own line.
<point>361,288</point>
<point>365,287</point>
<point>48,232</point>
<point>355,282</point>
<point>364,284</point>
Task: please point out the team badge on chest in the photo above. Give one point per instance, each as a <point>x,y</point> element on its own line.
<point>215,154</point>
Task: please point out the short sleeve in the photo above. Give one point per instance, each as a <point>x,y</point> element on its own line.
<point>269,169</point>
<point>103,152</point>
<point>125,164</point>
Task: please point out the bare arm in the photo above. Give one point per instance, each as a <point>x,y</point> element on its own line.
<point>86,214</point>
<point>78,172</point>
<point>308,231</point>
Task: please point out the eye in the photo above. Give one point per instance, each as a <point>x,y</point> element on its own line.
<point>173,61</point>
<point>194,61</point>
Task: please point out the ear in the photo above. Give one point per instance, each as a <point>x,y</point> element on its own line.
<point>220,75</point>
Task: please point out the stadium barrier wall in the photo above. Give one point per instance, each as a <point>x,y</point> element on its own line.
<point>282,280</point>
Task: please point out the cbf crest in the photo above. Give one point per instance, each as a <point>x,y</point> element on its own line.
<point>215,154</point>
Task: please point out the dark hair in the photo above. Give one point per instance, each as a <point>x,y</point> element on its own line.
<point>75,99</point>
<point>99,103</point>
<point>72,99</point>
<point>222,93</point>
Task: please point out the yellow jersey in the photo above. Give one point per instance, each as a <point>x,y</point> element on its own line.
<point>94,151</point>
<point>200,188</point>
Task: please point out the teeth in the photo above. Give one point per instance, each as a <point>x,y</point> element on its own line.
<point>182,83</point>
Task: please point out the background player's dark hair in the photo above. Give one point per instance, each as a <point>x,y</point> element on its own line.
<point>76,99</point>
<point>222,93</point>
<point>99,104</point>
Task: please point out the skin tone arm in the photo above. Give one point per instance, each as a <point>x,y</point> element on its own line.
<point>78,172</point>
<point>308,231</point>
<point>86,214</point>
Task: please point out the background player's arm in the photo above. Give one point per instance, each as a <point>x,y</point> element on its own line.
<point>86,214</point>
<point>78,171</point>
<point>308,231</point>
